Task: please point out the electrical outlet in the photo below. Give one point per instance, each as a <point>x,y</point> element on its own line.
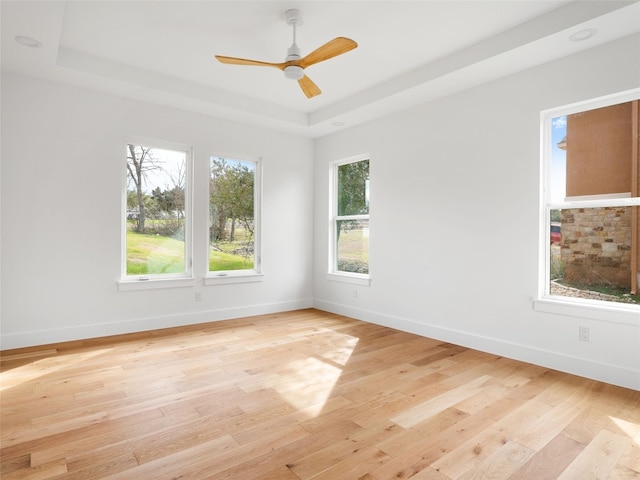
<point>585,334</point>
<point>198,296</point>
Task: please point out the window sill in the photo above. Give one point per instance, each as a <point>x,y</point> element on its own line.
<point>231,277</point>
<point>627,314</point>
<point>155,283</point>
<point>353,278</point>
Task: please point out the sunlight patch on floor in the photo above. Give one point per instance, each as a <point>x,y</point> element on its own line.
<point>44,366</point>
<point>307,383</point>
<point>629,428</point>
<point>341,354</point>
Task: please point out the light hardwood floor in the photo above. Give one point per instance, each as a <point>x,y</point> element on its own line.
<point>304,395</point>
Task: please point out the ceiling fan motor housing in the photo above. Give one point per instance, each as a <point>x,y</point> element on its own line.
<point>294,72</point>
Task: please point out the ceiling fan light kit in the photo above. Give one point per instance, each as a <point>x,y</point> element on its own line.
<point>294,64</point>
<point>294,72</point>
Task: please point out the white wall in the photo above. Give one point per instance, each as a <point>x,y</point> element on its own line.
<point>454,219</point>
<point>62,168</point>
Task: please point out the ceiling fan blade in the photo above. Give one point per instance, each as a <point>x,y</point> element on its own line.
<point>333,48</point>
<point>309,88</point>
<point>244,61</point>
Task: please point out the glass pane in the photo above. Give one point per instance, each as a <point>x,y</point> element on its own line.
<point>591,253</point>
<point>155,210</point>
<point>592,153</point>
<point>353,246</point>
<point>231,214</point>
<point>353,188</point>
<point>558,173</point>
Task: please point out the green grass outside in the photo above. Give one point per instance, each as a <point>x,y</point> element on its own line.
<point>353,251</point>
<point>156,254</point>
<point>221,261</point>
<point>153,254</point>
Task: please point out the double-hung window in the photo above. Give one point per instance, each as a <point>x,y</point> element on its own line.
<point>234,220</point>
<point>590,215</point>
<point>349,230</point>
<point>156,214</point>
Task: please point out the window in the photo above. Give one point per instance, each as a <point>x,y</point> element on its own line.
<point>234,226</point>
<point>349,247</point>
<point>591,203</point>
<point>157,234</point>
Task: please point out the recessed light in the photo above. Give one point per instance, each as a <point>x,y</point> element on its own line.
<point>583,35</point>
<point>28,41</point>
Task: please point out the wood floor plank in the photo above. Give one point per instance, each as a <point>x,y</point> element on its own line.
<point>41,472</point>
<point>549,462</point>
<point>429,474</point>
<point>28,354</point>
<point>630,459</point>
<point>410,459</point>
<point>112,433</point>
<point>303,395</point>
<point>354,466</point>
<point>193,462</point>
<point>343,450</point>
<point>599,457</point>
<point>175,439</point>
<point>509,428</point>
<point>470,454</point>
<point>501,464</point>
<point>101,462</point>
<point>623,473</point>
<point>427,409</point>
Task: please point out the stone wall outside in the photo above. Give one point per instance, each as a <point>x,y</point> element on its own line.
<point>596,246</point>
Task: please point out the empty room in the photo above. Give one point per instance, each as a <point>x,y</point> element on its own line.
<point>306,240</point>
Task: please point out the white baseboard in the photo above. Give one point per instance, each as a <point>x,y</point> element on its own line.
<point>583,367</point>
<point>65,334</point>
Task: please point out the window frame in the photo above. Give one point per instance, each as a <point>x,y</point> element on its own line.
<point>166,280</point>
<point>333,273</point>
<point>545,302</point>
<point>222,277</point>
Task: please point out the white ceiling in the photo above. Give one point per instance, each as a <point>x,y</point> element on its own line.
<point>408,51</point>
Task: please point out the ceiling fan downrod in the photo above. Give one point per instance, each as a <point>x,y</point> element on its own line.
<point>293,72</point>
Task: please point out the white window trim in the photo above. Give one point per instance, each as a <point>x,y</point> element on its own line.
<point>223,277</point>
<point>593,309</point>
<point>348,277</point>
<point>238,276</point>
<point>607,196</point>
<point>149,282</point>
<point>333,273</point>
<point>614,312</point>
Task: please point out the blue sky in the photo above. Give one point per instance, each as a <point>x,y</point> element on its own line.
<point>172,168</point>
<point>558,160</point>
<point>251,166</point>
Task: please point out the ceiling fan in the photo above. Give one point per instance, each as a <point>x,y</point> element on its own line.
<point>294,65</point>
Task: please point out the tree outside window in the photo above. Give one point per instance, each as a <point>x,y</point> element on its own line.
<point>351,218</point>
<point>232,215</point>
<point>156,211</point>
